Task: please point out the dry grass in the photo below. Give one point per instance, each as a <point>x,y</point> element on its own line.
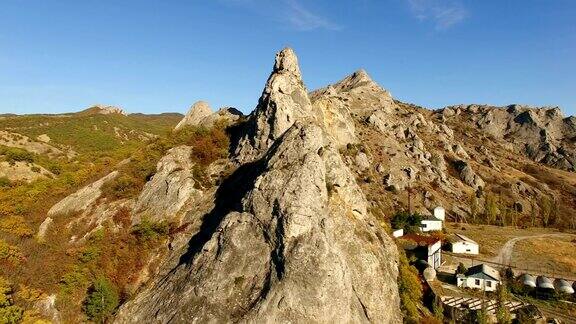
<point>556,254</point>
<point>491,238</point>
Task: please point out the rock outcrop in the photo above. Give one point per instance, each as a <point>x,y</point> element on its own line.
<point>201,114</point>
<point>81,199</point>
<point>542,134</point>
<point>283,101</point>
<point>195,115</point>
<point>290,237</point>
<point>169,189</point>
<point>104,110</point>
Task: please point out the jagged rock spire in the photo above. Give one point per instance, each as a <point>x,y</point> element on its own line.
<point>283,101</point>
<point>195,115</point>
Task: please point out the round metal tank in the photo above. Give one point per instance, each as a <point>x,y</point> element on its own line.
<point>563,286</point>
<point>544,283</point>
<point>429,274</point>
<point>528,280</point>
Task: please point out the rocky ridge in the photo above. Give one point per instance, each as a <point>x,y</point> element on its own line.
<point>289,238</point>
<point>542,134</point>
<point>294,233</point>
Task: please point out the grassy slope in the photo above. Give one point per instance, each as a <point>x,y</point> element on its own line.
<point>101,142</point>
<point>93,132</point>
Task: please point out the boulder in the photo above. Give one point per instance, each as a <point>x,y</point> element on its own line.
<point>169,189</point>
<point>43,228</point>
<point>197,113</point>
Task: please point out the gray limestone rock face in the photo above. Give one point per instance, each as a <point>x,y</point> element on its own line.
<point>468,176</point>
<point>283,101</point>
<point>289,237</point>
<point>169,189</point>
<point>199,111</point>
<point>294,243</point>
<point>228,115</point>
<point>81,199</point>
<point>362,161</point>
<point>43,228</point>
<point>542,134</point>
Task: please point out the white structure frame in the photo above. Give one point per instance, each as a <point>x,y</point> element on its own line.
<point>465,245</point>
<point>428,225</point>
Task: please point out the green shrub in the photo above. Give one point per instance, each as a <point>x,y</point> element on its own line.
<point>9,252</point>
<point>55,168</point>
<point>9,313</point>
<point>15,225</point>
<point>461,268</point>
<point>409,287</point>
<point>4,182</point>
<point>124,186</point>
<point>147,231</point>
<point>13,154</point>
<point>89,253</point>
<point>73,281</point>
<point>409,222</point>
<point>101,301</point>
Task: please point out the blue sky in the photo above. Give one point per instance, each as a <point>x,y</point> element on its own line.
<point>158,56</point>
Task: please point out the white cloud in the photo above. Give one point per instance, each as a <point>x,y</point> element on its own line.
<point>292,13</point>
<point>303,19</point>
<point>443,13</point>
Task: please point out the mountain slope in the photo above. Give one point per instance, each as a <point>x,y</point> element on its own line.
<point>289,237</point>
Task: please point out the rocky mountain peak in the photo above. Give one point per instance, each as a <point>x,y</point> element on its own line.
<point>283,101</point>
<point>290,237</point>
<point>287,62</point>
<point>358,79</point>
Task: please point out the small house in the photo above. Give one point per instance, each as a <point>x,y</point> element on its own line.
<point>480,276</point>
<point>463,244</point>
<point>433,222</point>
<point>425,248</point>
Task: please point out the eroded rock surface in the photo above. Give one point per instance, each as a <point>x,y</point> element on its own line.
<point>283,101</point>
<point>290,237</point>
<point>81,199</point>
<point>195,115</point>
<point>169,189</point>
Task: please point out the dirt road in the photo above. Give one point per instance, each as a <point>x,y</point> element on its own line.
<point>505,254</point>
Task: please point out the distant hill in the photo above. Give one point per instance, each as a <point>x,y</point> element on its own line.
<point>89,131</point>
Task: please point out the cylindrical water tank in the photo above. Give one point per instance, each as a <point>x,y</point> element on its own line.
<point>544,282</point>
<point>429,274</point>
<point>563,286</point>
<point>528,280</point>
<point>440,213</point>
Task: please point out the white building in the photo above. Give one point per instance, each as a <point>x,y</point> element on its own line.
<point>481,277</point>
<point>398,232</point>
<point>463,244</point>
<point>425,248</point>
<point>433,222</point>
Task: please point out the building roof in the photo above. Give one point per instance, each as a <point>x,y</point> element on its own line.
<point>465,238</point>
<point>421,239</point>
<point>483,271</point>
